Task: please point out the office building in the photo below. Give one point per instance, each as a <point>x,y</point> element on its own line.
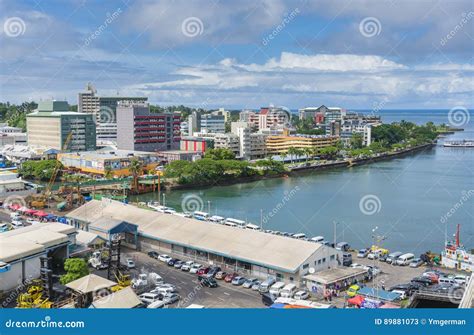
<point>350,127</point>
<point>51,124</point>
<point>140,130</point>
<point>222,112</point>
<point>277,145</point>
<point>266,118</point>
<point>212,123</point>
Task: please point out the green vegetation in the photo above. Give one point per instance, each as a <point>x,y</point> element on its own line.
<point>136,169</point>
<point>219,154</point>
<point>306,127</point>
<point>15,115</point>
<point>214,170</point>
<point>75,268</point>
<point>40,170</point>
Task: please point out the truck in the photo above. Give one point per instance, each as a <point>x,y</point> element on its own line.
<point>96,261</point>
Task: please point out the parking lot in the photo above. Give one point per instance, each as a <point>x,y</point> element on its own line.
<point>225,295</point>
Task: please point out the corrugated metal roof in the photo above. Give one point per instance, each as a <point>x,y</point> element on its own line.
<point>90,283</point>
<point>125,298</point>
<point>277,252</point>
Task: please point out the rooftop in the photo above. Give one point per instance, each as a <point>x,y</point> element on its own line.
<point>335,274</point>
<point>90,283</point>
<point>276,252</point>
<point>108,154</point>
<point>125,298</point>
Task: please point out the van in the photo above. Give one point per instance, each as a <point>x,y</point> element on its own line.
<point>276,288</point>
<point>265,286</point>
<point>346,259</point>
<point>392,257</point>
<point>342,246</point>
<point>15,216</point>
<point>252,227</point>
<point>299,236</point>
<point>405,259</point>
<point>149,298</point>
<point>317,239</point>
<point>288,291</point>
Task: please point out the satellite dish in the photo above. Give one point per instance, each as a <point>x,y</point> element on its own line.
<point>311,270</point>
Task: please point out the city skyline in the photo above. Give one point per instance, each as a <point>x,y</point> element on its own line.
<point>300,53</point>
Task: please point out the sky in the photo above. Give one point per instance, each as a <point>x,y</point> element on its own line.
<point>362,54</point>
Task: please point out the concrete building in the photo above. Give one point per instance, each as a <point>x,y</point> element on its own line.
<point>198,144</point>
<point>341,278</point>
<point>11,135</point>
<point>227,141</point>
<point>308,113</point>
<point>222,112</point>
<point>212,123</point>
<point>140,130</point>
<point>250,252</point>
<point>251,145</point>
<point>118,161</point>
<point>21,249</point>
<point>194,123</point>
<point>277,145</point>
<point>104,110</point>
<point>51,124</point>
<point>180,155</point>
<point>266,118</point>
<point>12,186</point>
<point>19,153</point>
<point>354,126</point>
<point>184,128</point>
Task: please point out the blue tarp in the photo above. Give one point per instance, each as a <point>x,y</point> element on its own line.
<point>378,294</point>
<point>62,219</point>
<point>277,306</point>
<point>51,217</point>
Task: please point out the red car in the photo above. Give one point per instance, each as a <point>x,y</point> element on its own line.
<point>203,271</point>
<point>221,275</point>
<point>230,277</point>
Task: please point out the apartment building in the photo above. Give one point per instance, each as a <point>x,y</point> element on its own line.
<point>277,145</point>
<point>350,127</point>
<point>139,129</point>
<point>212,123</point>
<point>222,112</point>
<point>51,124</point>
<point>266,118</point>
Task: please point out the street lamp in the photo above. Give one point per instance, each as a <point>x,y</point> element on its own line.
<point>209,206</point>
<point>335,233</point>
<point>377,240</point>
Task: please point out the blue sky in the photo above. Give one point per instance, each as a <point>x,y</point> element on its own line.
<point>242,54</point>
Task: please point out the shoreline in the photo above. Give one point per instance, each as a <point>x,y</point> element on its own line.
<point>295,171</point>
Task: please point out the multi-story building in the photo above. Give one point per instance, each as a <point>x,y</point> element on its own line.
<point>227,141</point>
<point>222,112</point>
<point>105,111</point>
<point>52,123</point>
<point>184,128</point>
<point>277,145</point>
<point>252,145</point>
<point>266,118</point>
<point>194,123</point>
<point>139,129</point>
<point>11,135</point>
<point>308,113</point>
<point>197,144</point>
<point>350,127</point>
<point>212,123</point>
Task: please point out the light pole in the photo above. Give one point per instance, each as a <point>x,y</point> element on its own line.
<point>377,240</point>
<point>335,232</point>
<point>164,199</point>
<point>261,219</point>
<point>209,206</point>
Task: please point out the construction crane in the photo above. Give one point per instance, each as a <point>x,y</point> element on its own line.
<point>39,201</point>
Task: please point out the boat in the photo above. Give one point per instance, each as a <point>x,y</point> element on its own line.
<point>459,144</point>
<point>455,255</point>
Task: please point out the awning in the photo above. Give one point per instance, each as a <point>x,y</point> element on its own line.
<point>30,211</point>
<point>357,300</point>
<point>23,209</point>
<point>41,213</point>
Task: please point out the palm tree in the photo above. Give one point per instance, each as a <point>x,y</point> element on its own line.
<point>108,173</point>
<point>292,151</point>
<point>135,169</point>
<point>308,152</point>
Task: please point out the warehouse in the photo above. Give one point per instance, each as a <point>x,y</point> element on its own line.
<point>21,249</point>
<point>251,252</point>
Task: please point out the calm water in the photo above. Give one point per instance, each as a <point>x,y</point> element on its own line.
<point>411,195</point>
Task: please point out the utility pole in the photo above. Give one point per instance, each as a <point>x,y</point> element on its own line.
<point>164,199</point>
<point>335,232</point>
<point>377,240</point>
<point>261,218</point>
<point>209,206</point>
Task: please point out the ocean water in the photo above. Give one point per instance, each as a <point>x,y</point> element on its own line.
<point>414,201</point>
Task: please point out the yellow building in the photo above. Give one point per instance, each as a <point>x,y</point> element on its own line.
<point>118,161</point>
<point>279,144</point>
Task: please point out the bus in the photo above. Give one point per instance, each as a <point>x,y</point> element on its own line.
<point>234,222</point>
<point>203,216</point>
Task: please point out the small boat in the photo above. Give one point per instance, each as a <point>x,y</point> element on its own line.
<point>455,256</point>
<point>459,144</point>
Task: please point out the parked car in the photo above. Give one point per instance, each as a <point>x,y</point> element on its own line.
<point>373,270</point>
<point>153,254</point>
<point>383,257</point>
<point>207,281</point>
<point>164,289</point>
<point>17,224</point>
<point>238,280</point>
<point>249,282</point>
<point>187,266</point>
<point>265,285</point>
<point>170,298</point>
<point>346,259</point>
<point>220,275</point>
<point>447,281</point>
<point>433,276</point>
<point>130,263</point>
<point>157,304</point>
<point>301,295</point>
<point>164,258</point>
<point>403,294</point>
<point>422,280</point>
<point>392,257</point>
<point>276,288</point>
<point>32,221</point>
<point>203,271</point>
<point>416,263</point>
<point>288,291</point>
<point>268,299</point>
<point>149,297</point>
<point>173,261</point>
<point>230,277</point>
<point>195,268</point>
<point>362,253</point>
<point>461,279</point>
<point>178,264</point>
<point>405,259</point>
<point>213,270</point>
<point>256,285</point>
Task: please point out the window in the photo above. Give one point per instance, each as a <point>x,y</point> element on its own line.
<point>324,260</point>
<point>305,266</point>
<point>319,261</point>
<point>331,258</point>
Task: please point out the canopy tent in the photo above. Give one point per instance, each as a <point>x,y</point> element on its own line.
<point>14,207</point>
<point>41,214</point>
<point>23,209</point>
<point>357,300</point>
<point>30,211</point>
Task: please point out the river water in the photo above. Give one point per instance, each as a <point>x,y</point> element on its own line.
<point>415,201</point>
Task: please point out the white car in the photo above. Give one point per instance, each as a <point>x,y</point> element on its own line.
<point>357,266</point>
<point>187,266</point>
<point>403,294</point>
<point>32,221</point>
<point>164,258</point>
<point>301,295</point>
<point>157,304</point>
<point>17,223</point>
<point>149,297</point>
<point>195,268</point>
<point>164,289</point>
<point>461,279</point>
